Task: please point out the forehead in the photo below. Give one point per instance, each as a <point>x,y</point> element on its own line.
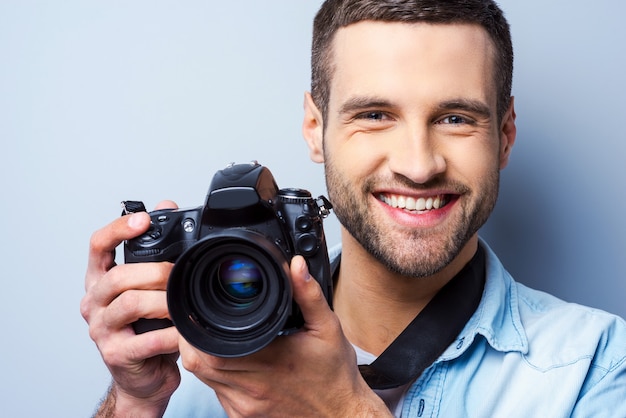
<point>421,58</point>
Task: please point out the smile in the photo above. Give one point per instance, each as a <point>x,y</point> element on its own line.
<point>412,204</point>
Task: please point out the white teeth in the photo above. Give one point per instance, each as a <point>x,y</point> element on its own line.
<point>410,203</point>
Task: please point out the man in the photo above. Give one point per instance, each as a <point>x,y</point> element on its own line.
<point>411,113</point>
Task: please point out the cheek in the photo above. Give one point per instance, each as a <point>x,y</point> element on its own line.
<point>474,163</point>
<point>355,158</point>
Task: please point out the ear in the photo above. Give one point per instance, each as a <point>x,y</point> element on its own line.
<point>508,132</point>
<point>313,129</point>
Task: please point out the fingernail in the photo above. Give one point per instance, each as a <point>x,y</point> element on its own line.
<point>135,221</point>
<point>305,270</point>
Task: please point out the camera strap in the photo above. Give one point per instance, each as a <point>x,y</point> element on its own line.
<point>432,330</point>
<point>132,206</point>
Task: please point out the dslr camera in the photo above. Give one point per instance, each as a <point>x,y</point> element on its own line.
<point>229,292</point>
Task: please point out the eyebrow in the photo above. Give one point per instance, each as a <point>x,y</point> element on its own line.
<point>363,102</point>
<point>469,105</point>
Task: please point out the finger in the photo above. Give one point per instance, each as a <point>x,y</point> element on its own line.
<point>135,304</point>
<point>157,342</point>
<point>166,204</point>
<point>104,241</point>
<point>194,360</point>
<point>308,295</point>
<point>134,276</point>
<point>137,348</point>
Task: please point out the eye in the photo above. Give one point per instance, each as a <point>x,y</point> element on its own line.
<point>455,120</point>
<point>373,116</point>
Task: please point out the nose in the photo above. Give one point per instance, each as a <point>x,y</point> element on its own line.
<point>416,155</point>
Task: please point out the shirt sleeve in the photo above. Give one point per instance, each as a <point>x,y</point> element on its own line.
<point>604,391</point>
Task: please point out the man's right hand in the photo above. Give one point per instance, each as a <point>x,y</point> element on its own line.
<point>144,369</point>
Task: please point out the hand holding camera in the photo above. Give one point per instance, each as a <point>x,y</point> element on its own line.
<point>238,272</point>
<point>143,367</point>
<point>229,293</point>
<point>312,372</point>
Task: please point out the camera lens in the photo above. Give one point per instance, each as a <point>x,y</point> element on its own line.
<point>230,294</point>
<point>240,280</point>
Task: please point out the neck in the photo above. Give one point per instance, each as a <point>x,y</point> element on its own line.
<point>374,304</point>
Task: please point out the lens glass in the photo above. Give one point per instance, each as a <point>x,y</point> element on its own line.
<point>240,279</point>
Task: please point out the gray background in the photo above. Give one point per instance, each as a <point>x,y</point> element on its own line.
<point>102,101</point>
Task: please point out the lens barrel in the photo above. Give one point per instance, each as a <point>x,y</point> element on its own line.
<point>229,295</point>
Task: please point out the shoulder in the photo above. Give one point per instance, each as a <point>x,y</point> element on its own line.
<point>551,331</point>
<point>580,344</point>
<point>571,331</point>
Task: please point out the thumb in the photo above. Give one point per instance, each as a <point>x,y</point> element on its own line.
<point>308,294</point>
<point>166,204</point>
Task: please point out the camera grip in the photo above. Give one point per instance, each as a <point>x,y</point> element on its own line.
<point>144,325</point>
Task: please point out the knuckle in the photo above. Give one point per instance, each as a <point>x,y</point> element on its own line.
<point>316,293</point>
<point>94,334</point>
<point>258,393</point>
<point>116,278</point>
<point>98,336</point>
<point>96,241</point>
<point>85,308</point>
<point>98,331</point>
<point>112,355</point>
<point>120,352</point>
<point>191,361</point>
<point>248,409</point>
<point>129,301</point>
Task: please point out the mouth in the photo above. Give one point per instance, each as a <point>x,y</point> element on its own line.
<point>415,204</point>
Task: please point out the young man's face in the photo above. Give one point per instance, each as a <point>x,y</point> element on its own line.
<point>412,144</point>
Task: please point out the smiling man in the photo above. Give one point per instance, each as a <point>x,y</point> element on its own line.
<point>411,113</point>
<point>412,149</point>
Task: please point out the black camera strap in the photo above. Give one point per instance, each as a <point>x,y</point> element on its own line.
<point>132,206</point>
<point>432,330</point>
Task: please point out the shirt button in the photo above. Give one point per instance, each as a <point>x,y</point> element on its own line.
<point>420,409</point>
<point>460,343</point>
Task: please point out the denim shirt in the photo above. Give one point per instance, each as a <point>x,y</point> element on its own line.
<point>523,353</point>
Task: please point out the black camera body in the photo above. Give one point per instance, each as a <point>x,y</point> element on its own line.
<point>229,292</point>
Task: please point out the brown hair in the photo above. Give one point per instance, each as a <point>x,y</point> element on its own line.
<point>335,14</point>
